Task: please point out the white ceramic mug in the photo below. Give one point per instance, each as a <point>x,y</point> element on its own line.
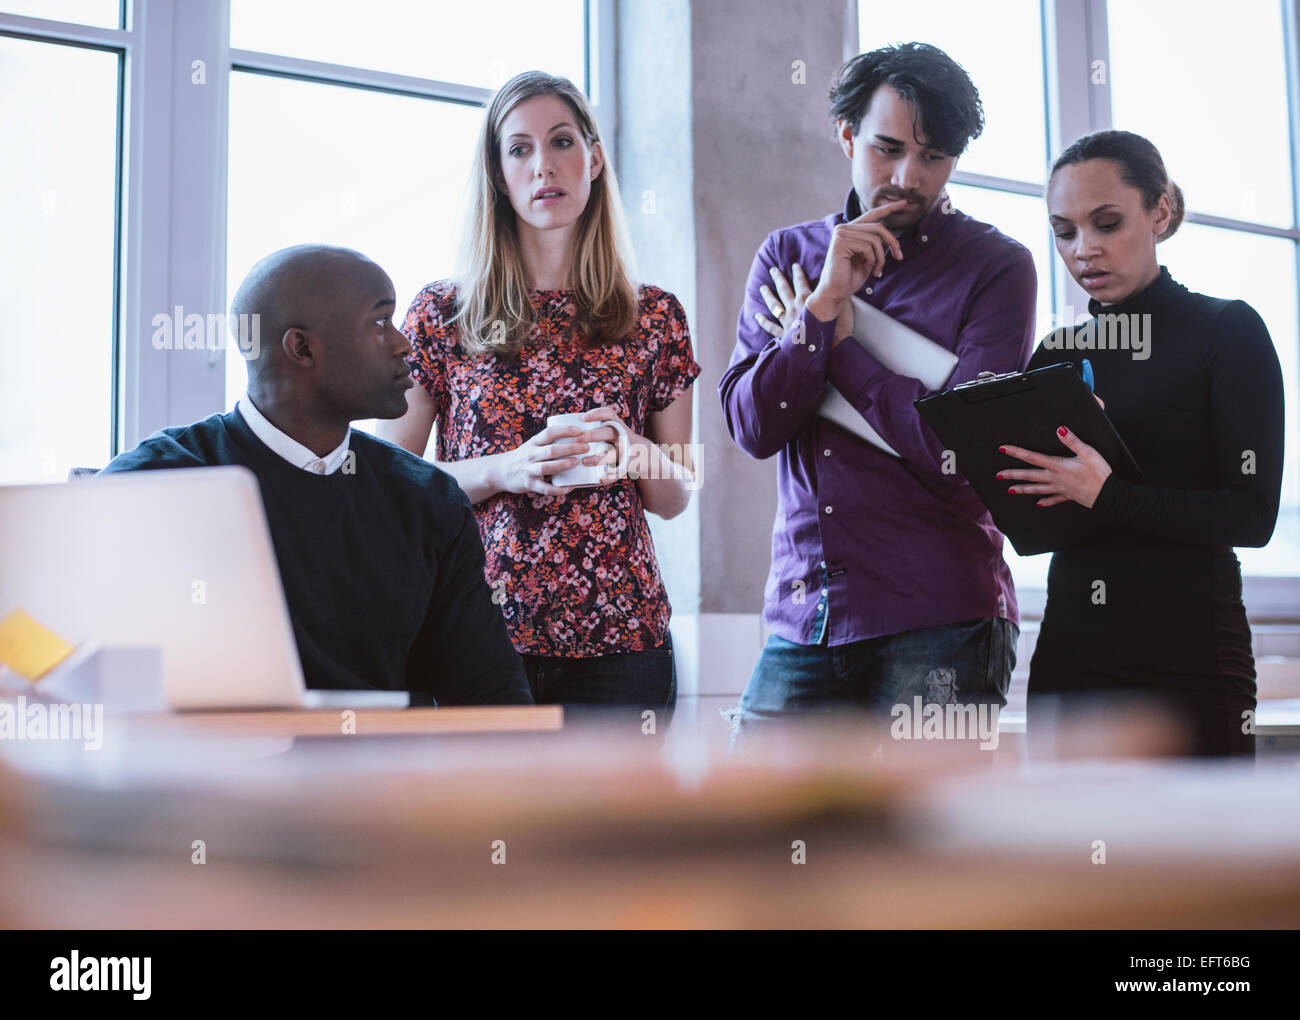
<point>591,474</point>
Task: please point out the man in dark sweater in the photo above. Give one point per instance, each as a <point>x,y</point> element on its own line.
<point>378,550</point>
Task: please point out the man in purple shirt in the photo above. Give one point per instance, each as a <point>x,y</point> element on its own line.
<point>887,579</point>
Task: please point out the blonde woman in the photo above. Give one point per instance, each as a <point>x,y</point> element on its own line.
<point>544,318</point>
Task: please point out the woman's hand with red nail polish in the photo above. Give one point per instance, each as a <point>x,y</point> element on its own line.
<point>1078,477</point>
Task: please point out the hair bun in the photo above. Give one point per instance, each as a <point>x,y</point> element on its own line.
<point>1176,209</point>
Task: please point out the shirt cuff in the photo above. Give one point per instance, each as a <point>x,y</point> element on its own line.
<point>808,335</point>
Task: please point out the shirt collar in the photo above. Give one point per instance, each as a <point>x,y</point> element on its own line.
<point>925,234</point>
<point>289,448</point>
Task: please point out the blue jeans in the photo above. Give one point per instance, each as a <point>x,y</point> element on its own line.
<point>963,663</point>
<point>621,686</point>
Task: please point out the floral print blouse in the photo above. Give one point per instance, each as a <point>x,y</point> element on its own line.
<point>576,575</point>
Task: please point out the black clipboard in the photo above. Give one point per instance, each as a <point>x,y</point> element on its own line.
<point>1025,409</point>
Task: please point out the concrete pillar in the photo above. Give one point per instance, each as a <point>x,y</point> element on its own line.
<point>723,133</point>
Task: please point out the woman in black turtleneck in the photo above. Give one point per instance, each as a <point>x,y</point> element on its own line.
<point>1151,604</point>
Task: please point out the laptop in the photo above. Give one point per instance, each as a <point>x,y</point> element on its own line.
<point>179,560</point>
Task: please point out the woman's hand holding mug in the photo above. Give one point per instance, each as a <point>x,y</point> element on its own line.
<point>533,466</point>
<point>603,430</point>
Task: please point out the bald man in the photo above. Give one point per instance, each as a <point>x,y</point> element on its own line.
<point>378,549</point>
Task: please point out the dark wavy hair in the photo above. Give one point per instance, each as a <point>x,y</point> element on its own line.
<point>947,104</point>
<point>1140,166</point>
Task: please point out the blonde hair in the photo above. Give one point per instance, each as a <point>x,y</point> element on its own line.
<point>491,280</point>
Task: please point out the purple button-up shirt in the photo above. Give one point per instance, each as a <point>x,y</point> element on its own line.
<point>879,544</point>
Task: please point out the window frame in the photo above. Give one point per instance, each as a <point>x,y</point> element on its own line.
<point>172,178</point>
<point>124,44</point>
<point>1075,34</point>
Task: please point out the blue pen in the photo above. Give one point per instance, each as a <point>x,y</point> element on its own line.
<point>1087,372</point>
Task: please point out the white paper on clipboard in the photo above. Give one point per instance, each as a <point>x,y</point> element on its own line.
<point>900,349</point>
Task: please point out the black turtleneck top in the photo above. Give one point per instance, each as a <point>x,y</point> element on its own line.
<point>1197,397</point>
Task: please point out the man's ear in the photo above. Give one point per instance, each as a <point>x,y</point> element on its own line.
<point>299,346</point>
<point>844,132</point>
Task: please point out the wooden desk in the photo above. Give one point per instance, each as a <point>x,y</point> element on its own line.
<point>613,834</point>
<point>363,722</point>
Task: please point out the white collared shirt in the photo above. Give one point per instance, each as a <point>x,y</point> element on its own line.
<point>289,448</point>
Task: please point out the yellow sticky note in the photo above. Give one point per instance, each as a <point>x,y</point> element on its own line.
<point>28,648</point>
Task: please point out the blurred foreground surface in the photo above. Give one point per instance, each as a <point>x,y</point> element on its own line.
<point>812,824</point>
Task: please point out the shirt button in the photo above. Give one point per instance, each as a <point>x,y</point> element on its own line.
<point>783,405</point>
<point>318,467</point>
<point>826,591</point>
<point>821,606</point>
<point>924,239</point>
<point>828,509</point>
<point>868,290</point>
<point>811,348</point>
<point>826,453</point>
<point>823,564</point>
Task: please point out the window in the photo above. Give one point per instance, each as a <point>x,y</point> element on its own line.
<point>59,202</point>
<point>139,178</point>
<point>1001,176</point>
<point>1013,144</point>
<point>1223,127</point>
<point>388,168</point>
<point>476,44</point>
<point>100,13</point>
<point>1228,142</point>
<point>387,178</point>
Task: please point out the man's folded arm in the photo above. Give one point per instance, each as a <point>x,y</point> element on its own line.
<point>773,384</point>
<point>463,655</point>
<point>997,336</point>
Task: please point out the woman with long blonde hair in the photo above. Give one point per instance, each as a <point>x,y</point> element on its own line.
<point>544,318</point>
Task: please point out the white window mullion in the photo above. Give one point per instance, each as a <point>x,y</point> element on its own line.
<point>196,379</point>
<point>602,77</point>
<point>1077,66</point>
<point>359,77</point>
<point>1291,42</point>
<point>174,210</point>
<point>146,218</point>
<point>1098,40</point>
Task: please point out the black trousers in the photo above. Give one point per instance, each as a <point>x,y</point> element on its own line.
<point>621,687</point>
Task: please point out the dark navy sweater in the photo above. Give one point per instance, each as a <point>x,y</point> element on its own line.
<point>381,563</point>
